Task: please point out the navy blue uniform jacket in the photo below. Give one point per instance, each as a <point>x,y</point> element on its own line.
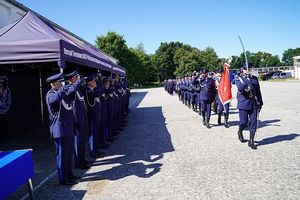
<point>249,94</point>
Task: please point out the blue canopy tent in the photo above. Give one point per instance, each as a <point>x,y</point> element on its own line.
<point>33,41</point>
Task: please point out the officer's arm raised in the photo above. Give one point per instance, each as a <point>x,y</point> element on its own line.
<point>71,89</point>
<point>55,97</point>
<point>241,84</point>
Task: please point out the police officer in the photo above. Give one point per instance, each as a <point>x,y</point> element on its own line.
<point>81,123</point>
<point>193,86</point>
<point>220,106</point>
<point>198,89</point>
<point>110,106</point>
<point>92,97</point>
<point>126,88</point>
<point>178,88</point>
<point>207,95</point>
<point>183,90</point>
<point>59,102</point>
<point>249,103</point>
<point>186,89</point>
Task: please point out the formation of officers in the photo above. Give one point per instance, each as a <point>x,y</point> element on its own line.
<point>85,110</point>
<point>199,91</point>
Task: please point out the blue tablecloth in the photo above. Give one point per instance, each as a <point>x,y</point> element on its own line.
<point>16,167</point>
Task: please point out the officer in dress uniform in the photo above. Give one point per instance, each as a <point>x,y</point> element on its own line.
<point>197,93</point>
<point>128,95</point>
<point>122,96</point>
<point>186,93</point>
<point>178,88</point>
<point>249,103</point>
<point>207,95</point>
<point>198,90</point>
<point>116,111</point>
<point>81,123</point>
<point>220,106</point>
<point>118,115</point>
<point>103,143</point>
<point>92,97</point>
<point>183,90</point>
<point>193,84</point>
<point>59,102</point>
<point>110,109</point>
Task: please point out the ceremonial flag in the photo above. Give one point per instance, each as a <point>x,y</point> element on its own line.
<point>224,88</point>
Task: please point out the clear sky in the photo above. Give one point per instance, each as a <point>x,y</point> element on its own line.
<point>266,25</point>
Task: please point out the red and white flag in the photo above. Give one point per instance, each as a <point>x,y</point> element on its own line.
<point>224,88</point>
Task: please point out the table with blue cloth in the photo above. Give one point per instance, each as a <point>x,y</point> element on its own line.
<point>16,169</point>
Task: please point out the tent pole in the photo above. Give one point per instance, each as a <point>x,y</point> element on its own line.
<point>41,96</point>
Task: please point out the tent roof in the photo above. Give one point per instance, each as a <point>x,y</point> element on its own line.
<point>30,40</point>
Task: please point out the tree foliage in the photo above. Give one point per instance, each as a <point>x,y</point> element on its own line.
<point>163,60</point>
<point>257,60</point>
<point>175,59</point>
<point>142,64</point>
<point>187,60</point>
<point>209,58</point>
<point>287,56</point>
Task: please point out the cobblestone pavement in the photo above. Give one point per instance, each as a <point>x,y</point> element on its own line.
<point>166,153</point>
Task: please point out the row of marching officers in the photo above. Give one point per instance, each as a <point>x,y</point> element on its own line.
<point>198,90</point>
<point>85,110</point>
<point>204,89</point>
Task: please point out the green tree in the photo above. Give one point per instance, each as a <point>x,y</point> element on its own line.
<point>187,60</point>
<point>287,56</point>
<point>209,58</point>
<point>263,59</point>
<point>221,62</point>
<point>163,60</point>
<point>115,45</point>
<point>142,63</point>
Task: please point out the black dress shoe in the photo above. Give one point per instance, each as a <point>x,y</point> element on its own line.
<point>116,133</point>
<point>100,154</point>
<point>104,146</point>
<point>219,119</point>
<point>83,167</point>
<point>240,136</point>
<point>69,183</point>
<point>75,177</point>
<point>207,125</point>
<point>251,142</point>
<point>88,162</point>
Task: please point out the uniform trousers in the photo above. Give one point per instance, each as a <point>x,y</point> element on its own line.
<point>248,116</point>
<point>80,138</point>
<point>64,157</point>
<point>206,109</point>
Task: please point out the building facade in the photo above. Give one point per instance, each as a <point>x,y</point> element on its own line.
<point>297,67</point>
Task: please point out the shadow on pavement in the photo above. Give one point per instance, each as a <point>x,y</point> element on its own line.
<point>278,138</point>
<point>262,123</point>
<point>138,149</point>
<point>44,160</point>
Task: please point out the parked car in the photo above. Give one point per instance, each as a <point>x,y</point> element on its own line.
<point>282,75</point>
<point>268,75</point>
